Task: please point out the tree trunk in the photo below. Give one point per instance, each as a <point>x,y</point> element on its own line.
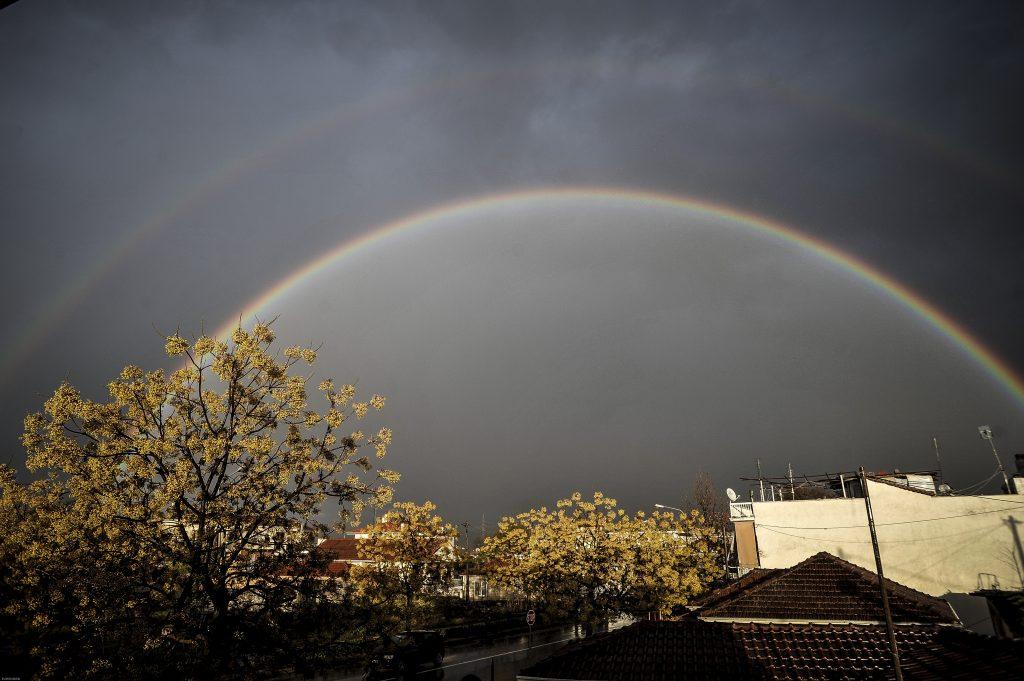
<point>408,609</point>
<point>218,655</point>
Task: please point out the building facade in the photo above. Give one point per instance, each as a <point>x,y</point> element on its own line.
<point>943,545</point>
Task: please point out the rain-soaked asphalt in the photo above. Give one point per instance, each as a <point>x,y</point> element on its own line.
<point>500,661</point>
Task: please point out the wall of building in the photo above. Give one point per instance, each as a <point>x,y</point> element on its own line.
<point>964,543</point>
<point>746,543</point>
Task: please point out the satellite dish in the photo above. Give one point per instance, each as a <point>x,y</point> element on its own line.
<point>731,493</point>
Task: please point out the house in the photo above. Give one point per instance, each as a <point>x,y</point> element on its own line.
<point>345,552</point>
<point>929,539</point>
<point>819,619</point>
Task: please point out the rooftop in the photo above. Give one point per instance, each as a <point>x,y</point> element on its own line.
<point>342,548</point>
<point>838,485</point>
<point>692,648</point>
<point>822,588</point>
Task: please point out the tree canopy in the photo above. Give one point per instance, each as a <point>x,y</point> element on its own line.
<point>592,561</point>
<point>411,558</point>
<point>169,527</point>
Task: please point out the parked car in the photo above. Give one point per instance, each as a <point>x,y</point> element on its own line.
<point>404,652</point>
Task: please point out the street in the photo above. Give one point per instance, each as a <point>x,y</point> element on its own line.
<point>475,662</point>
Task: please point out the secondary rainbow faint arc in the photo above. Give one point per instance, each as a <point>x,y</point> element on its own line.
<point>66,298</point>
<point>993,365</point>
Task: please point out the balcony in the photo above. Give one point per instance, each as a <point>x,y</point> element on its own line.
<point>741,510</point>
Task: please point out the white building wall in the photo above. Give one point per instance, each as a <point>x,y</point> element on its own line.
<point>964,543</point>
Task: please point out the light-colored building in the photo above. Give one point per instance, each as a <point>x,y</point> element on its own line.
<point>941,544</point>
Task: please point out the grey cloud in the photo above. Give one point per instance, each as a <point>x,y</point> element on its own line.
<point>257,135</point>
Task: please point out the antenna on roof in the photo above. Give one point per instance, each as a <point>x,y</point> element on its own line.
<point>938,459</point>
<point>760,478</point>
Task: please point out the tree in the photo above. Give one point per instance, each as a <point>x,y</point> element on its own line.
<point>170,527</point>
<point>713,507</point>
<point>411,554</point>
<point>590,560</point>
<point>670,560</point>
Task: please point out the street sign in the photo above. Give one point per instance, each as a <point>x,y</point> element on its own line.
<point>531,618</point>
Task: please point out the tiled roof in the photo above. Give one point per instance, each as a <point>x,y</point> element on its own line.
<point>347,548</point>
<point>823,588</point>
<point>692,649</point>
<point>344,548</point>
<point>719,595</point>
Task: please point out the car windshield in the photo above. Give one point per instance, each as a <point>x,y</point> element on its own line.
<point>402,639</point>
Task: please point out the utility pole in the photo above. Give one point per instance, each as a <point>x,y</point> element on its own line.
<point>893,650</point>
<point>986,434</point>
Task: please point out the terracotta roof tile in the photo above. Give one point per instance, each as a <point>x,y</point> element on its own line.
<point>347,548</point>
<point>344,548</point>
<point>719,595</point>
<point>823,588</point>
<point>692,649</point>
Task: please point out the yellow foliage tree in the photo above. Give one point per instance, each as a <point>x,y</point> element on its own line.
<point>590,560</point>
<point>411,554</point>
<point>168,531</point>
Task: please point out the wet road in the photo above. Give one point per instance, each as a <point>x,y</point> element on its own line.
<point>507,657</point>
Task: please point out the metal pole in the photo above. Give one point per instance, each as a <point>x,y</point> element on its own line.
<point>986,434</point>
<point>938,459</point>
<point>881,579</point>
<point>760,479</point>
<point>792,490</point>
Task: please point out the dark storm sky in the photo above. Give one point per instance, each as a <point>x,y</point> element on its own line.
<point>161,164</point>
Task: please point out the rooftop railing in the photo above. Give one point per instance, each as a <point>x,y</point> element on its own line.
<point>742,509</point>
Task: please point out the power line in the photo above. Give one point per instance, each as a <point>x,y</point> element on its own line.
<point>977,485</point>
<point>867,541</point>
<point>899,522</point>
<point>1005,501</point>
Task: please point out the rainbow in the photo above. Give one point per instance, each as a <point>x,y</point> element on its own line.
<point>1003,375</point>
<point>233,170</point>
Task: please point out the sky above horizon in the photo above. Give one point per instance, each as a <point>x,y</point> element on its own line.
<point>164,166</point>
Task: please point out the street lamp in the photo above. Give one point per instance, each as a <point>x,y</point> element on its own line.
<point>986,434</point>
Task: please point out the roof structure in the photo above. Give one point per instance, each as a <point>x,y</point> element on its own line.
<point>821,588</point>
<point>343,548</point>
<point>905,486</point>
<point>732,588</point>
<point>343,551</point>
<point>1007,608</point>
<point>693,649</point>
